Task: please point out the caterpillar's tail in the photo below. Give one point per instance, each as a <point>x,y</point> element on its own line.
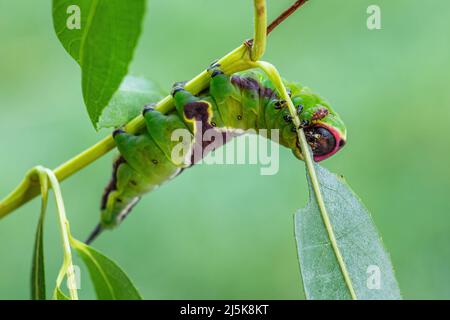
<point>94,234</point>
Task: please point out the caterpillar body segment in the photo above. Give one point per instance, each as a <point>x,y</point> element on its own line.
<point>231,105</point>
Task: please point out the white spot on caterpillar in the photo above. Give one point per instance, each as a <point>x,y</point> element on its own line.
<point>174,174</point>
<point>123,214</point>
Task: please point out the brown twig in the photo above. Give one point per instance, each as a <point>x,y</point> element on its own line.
<point>285,14</point>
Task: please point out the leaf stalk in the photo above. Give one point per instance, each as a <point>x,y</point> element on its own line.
<point>274,75</point>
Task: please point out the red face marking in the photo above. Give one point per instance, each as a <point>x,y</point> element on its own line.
<point>324,141</point>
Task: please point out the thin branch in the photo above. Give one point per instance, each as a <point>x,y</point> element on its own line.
<point>275,23</point>
<point>235,61</point>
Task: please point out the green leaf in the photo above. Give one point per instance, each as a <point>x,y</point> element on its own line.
<point>110,282</point>
<point>359,243</point>
<point>127,103</point>
<point>59,295</point>
<point>101,36</point>
<point>38,291</point>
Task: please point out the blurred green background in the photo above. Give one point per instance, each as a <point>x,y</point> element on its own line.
<point>226,231</point>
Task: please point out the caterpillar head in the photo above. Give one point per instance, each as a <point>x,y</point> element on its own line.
<point>324,130</point>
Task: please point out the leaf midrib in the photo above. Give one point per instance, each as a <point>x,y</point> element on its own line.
<point>94,261</point>
<point>84,35</point>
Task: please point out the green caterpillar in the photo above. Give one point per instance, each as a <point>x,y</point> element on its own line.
<point>242,101</point>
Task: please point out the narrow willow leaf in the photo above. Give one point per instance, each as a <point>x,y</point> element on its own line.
<point>134,93</point>
<point>101,36</point>
<point>38,291</point>
<point>110,282</point>
<point>368,264</point>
